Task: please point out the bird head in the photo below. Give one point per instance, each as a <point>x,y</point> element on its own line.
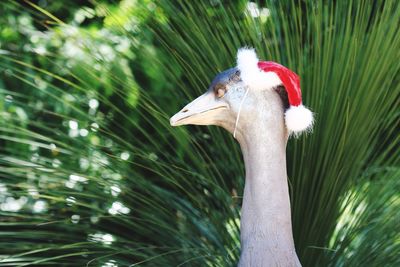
<point>252,91</point>
<point>218,105</point>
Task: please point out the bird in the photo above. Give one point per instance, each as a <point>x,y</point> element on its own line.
<point>260,103</point>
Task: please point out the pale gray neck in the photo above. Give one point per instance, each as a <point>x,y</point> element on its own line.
<point>266,228</point>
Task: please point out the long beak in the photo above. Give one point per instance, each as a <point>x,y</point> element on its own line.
<point>201,111</point>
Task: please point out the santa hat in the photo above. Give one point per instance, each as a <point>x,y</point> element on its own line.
<point>259,75</point>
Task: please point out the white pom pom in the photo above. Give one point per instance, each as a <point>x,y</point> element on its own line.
<point>251,74</point>
<point>298,119</point>
<point>247,58</point>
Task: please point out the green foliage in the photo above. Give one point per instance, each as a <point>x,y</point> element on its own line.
<point>92,173</point>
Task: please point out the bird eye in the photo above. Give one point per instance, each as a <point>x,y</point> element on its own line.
<point>220,92</point>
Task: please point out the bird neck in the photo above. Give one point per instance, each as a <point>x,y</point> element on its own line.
<point>266,228</point>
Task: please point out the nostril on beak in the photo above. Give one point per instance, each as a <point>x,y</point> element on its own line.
<point>185,110</point>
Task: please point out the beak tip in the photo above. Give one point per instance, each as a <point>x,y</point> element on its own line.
<point>173,121</point>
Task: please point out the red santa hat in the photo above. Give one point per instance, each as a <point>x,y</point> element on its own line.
<point>260,75</point>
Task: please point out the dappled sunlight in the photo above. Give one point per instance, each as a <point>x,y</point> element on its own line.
<point>75,218</point>
<point>106,239</point>
<point>40,206</point>
<point>118,208</point>
<point>75,180</point>
<point>110,263</point>
<point>255,11</point>
<point>12,204</point>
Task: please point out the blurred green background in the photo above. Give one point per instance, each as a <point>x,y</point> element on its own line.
<point>91,173</point>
